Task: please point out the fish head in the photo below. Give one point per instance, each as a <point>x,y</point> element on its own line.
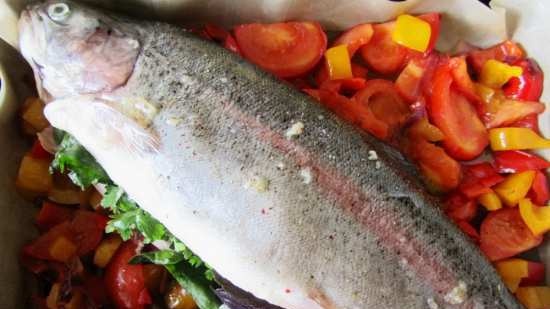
<point>76,50</point>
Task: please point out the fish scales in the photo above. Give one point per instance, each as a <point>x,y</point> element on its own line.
<point>359,234</point>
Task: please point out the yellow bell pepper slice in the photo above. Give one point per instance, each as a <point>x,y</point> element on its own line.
<point>338,62</point>
<point>412,32</point>
<point>516,139</point>
<point>534,297</point>
<point>512,271</point>
<point>495,74</point>
<point>535,217</point>
<point>490,201</point>
<point>515,187</point>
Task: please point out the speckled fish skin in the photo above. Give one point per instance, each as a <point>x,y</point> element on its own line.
<point>301,220</point>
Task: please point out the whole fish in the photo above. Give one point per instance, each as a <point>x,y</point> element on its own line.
<point>265,185</point>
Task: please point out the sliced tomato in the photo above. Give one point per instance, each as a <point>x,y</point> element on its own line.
<point>503,234</point>
<point>382,54</point>
<point>465,134</point>
<point>462,80</point>
<point>504,112</point>
<point>434,19</point>
<point>284,49</point>
<point>528,86</point>
<point>124,282</point>
<point>540,193</point>
<point>469,230</point>
<point>440,172</point>
<point>355,38</point>
<point>506,51</point>
<point>359,71</point>
<point>460,208</point>
<point>52,214</point>
<point>381,97</point>
<point>88,228</point>
<point>478,179</point>
<point>516,161</point>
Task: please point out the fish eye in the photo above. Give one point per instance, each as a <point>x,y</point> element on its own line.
<point>59,11</point>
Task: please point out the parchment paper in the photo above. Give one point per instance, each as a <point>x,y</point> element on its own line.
<point>524,20</point>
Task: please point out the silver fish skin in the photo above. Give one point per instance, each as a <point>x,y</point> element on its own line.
<point>265,185</point>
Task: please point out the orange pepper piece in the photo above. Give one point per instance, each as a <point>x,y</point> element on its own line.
<point>338,62</point>
<point>515,187</point>
<point>535,217</point>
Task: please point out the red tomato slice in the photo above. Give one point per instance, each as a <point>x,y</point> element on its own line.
<point>503,234</point>
<point>460,208</point>
<point>88,229</point>
<point>515,161</point>
<point>284,49</point>
<point>382,54</point>
<point>540,193</point>
<point>381,97</point>
<point>125,282</point>
<point>465,134</point>
<point>355,37</point>
<point>469,230</point>
<point>506,51</point>
<point>52,214</point>
<point>528,86</point>
<point>434,19</point>
<point>478,179</point>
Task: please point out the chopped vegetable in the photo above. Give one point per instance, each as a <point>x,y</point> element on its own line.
<point>412,32</point>
<point>478,179</point>
<point>516,139</point>
<point>490,201</point>
<point>52,214</point>
<point>178,298</point>
<point>469,230</point>
<point>540,192</point>
<point>338,62</point>
<point>62,249</point>
<point>514,270</point>
<point>465,134</point>
<point>495,74</point>
<point>507,51</point>
<point>537,218</point>
<point>434,19</point>
<point>534,297</point>
<point>38,152</point>
<point>106,249</point>
<point>514,161</point>
<point>382,54</point>
<point>34,178</point>
<point>501,112</point>
<point>462,80</point>
<point>528,86</point>
<point>284,49</point>
<point>460,208</point>
<point>425,130</point>
<point>125,282</point>
<point>503,234</point>
<point>33,117</point>
<point>355,38</point>
<point>515,187</point>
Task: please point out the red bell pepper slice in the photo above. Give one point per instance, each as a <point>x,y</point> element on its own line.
<point>529,122</point>
<point>465,134</point>
<point>88,228</point>
<point>52,214</point>
<point>40,247</point>
<point>460,208</point>
<point>469,230</point>
<point>383,54</point>
<point>461,79</point>
<point>382,99</point>
<point>434,19</point>
<point>354,112</point>
<point>478,179</point>
<point>355,38</point>
<point>499,113</point>
<point>506,51</point>
<point>359,71</point>
<point>344,85</point>
<point>284,49</point>
<point>528,86</point>
<point>124,282</point>
<point>503,234</point>
<point>516,161</point>
<point>539,192</point>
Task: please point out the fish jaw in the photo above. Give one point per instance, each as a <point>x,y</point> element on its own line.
<point>80,53</point>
